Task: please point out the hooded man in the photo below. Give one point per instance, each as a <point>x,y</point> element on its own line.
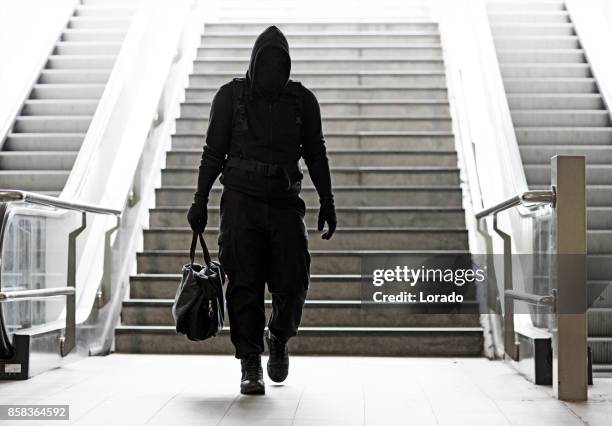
<point>259,128</point>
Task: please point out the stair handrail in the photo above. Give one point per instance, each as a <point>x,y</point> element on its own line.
<point>68,340</point>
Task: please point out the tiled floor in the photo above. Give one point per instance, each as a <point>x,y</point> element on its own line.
<point>198,390</point>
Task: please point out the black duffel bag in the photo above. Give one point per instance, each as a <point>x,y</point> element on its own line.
<point>198,308</point>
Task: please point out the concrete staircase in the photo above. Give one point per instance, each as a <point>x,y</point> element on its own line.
<point>557,109</point>
<point>40,150</point>
<point>383,96</point>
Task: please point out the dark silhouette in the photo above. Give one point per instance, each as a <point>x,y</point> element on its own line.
<point>259,128</point>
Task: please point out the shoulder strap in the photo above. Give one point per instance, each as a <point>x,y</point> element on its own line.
<point>238,86</point>
<point>297,91</point>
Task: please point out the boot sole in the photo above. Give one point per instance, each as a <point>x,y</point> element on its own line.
<point>252,389</point>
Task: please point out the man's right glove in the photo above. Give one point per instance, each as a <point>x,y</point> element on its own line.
<point>327,213</point>
<point>198,216</point>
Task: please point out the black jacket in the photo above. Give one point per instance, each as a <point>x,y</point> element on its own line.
<point>268,120</point>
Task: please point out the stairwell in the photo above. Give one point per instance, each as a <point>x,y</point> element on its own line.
<point>557,108</point>
<point>383,95</point>
<point>39,152</point>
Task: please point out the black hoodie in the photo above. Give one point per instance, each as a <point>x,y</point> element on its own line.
<point>268,121</point>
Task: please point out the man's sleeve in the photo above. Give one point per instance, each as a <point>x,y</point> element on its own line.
<point>218,138</point>
<point>313,147</point>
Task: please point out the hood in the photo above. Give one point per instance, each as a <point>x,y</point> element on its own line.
<point>270,63</point>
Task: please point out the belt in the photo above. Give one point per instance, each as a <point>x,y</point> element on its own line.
<point>264,169</point>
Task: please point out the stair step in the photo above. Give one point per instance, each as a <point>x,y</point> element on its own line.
<point>340,313</point>
<point>348,124</point>
<point>322,27</point>
<point>355,107</point>
<point>534,42</point>
<point>333,78</point>
<point>323,262</point>
<point>54,124</point>
<point>540,70</point>
<point>74,76</point>
<point>599,267</point>
<point>371,341</point>
<point>86,48</point>
<point>547,118</point>
<point>321,51</point>
<point>599,320</point>
<point>529,17</point>
<point>531,29</point>
<point>67,91</point>
<point>80,62</point>
<point>432,92</point>
<point>321,287</point>
<point>601,348</point>
<point>33,180</point>
<point>321,38</point>
<point>597,174</point>
<point>599,241</point>
<point>316,64</point>
<point>359,238</point>
<point>525,5</point>
<point>89,22</point>
<point>348,176</point>
<point>394,216</point>
<point>541,56</point>
<point>345,158</point>
<point>98,11</point>
<point>44,141</point>
<point>541,154</point>
<point>28,160</point>
<point>564,135</point>
<point>51,107</point>
<point>97,35</point>
<point>599,217</point>
<point>358,195</point>
<point>355,140</point>
<point>558,101</point>
<point>551,85</point>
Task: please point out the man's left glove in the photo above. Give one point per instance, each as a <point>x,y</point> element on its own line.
<point>327,213</point>
<point>198,216</point>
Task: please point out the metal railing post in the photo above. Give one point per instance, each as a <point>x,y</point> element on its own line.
<point>510,346</point>
<point>69,339</point>
<point>569,330</point>
<point>104,293</point>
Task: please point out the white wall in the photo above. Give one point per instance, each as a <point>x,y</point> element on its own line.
<point>28,30</point>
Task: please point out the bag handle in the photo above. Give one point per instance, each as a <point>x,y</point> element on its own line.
<point>192,250</point>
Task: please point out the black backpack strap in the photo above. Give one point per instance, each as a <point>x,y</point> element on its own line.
<point>238,86</point>
<point>297,91</point>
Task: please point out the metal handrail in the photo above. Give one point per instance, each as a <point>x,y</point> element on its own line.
<point>67,342</point>
<point>526,198</point>
<point>12,195</point>
<point>7,296</point>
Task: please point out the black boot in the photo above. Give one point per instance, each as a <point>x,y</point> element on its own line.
<point>278,363</point>
<point>252,376</point>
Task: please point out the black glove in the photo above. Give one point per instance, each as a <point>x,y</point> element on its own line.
<point>327,213</point>
<point>198,216</point>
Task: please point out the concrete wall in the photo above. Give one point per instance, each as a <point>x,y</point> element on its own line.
<point>28,30</point>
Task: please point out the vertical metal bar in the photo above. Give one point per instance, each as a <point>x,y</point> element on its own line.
<point>510,345</point>
<point>105,289</point>
<point>69,338</point>
<point>569,331</point>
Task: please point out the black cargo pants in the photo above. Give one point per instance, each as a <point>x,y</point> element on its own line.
<point>263,242</point>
